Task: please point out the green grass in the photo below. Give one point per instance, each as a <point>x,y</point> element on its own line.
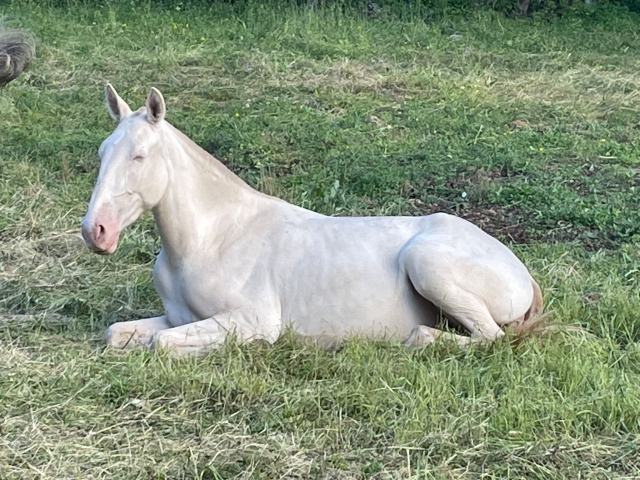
<point>528,128</point>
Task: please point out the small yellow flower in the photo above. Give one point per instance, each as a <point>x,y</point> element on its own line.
<point>237,114</point>
<point>541,149</point>
<point>603,140</point>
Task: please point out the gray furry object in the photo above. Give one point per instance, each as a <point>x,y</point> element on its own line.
<point>17,49</point>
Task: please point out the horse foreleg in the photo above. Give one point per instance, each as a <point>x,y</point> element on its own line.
<point>134,333</point>
<point>198,338</point>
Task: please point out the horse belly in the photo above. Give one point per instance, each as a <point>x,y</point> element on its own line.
<point>376,305</point>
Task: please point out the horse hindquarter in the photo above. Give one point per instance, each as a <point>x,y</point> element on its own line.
<point>469,275</point>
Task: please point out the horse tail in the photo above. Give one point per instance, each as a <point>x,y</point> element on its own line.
<point>17,49</point>
<point>537,323</point>
<point>534,319</point>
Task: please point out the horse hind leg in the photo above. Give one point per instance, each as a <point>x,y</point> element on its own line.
<point>471,312</point>
<point>423,335</point>
<point>426,334</point>
<point>461,304</point>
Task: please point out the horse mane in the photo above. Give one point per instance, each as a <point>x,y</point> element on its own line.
<point>17,49</point>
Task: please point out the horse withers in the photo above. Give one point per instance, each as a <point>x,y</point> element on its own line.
<point>235,260</point>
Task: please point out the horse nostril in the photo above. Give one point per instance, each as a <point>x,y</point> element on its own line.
<point>100,231</point>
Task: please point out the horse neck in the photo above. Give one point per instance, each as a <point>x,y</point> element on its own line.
<point>203,201</point>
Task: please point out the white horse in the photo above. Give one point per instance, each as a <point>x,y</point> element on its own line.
<point>236,260</point>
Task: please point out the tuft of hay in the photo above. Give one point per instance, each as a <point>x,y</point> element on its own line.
<point>537,323</point>
<point>17,50</point>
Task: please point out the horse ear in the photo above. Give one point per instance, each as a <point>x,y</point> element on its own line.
<point>118,108</point>
<point>155,106</point>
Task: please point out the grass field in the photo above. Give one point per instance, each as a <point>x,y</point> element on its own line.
<point>529,128</point>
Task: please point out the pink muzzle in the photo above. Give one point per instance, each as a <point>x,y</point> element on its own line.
<point>101,232</point>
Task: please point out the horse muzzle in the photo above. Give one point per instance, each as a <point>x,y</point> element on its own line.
<point>100,237</point>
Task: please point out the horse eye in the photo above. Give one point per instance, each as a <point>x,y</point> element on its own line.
<point>138,158</point>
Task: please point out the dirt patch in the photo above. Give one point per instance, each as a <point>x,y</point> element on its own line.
<point>480,176</point>
<point>506,223</point>
<point>514,224</point>
<point>499,222</point>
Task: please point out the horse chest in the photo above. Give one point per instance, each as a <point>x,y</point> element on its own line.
<point>186,294</point>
